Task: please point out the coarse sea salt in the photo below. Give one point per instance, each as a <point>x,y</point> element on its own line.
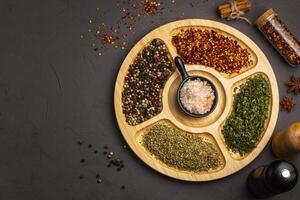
<point>197,96</point>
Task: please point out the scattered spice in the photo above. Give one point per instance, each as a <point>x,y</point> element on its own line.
<point>150,6</point>
<point>99,180</point>
<point>244,127</point>
<point>278,34</point>
<point>123,187</point>
<point>103,35</point>
<point>287,103</point>
<point>90,146</point>
<point>80,142</point>
<point>294,85</point>
<point>181,150</point>
<point>82,160</point>
<point>197,96</point>
<point>144,81</point>
<point>81,177</point>
<point>113,160</point>
<point>212,49</point>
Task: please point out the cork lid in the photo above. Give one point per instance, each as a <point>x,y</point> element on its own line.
<point>264,17</point>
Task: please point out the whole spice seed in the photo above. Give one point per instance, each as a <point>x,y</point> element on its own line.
<point>244,127</point>
<point>144,81</point>
<point>179,149</point>
<point>287,103</point>
<point>212,49</point>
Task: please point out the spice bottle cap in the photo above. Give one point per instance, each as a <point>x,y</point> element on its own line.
<point>264,18</point>
<point>281,176</point>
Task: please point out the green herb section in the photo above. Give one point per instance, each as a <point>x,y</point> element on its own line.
<point>245,125</point>
<point>180,149</point>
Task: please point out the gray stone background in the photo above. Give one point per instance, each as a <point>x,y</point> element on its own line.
<point>41,118</point>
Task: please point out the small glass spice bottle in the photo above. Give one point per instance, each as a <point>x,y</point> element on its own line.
<point>286,143</point>
<point>281,38</point>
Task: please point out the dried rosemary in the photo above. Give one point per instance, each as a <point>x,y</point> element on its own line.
<point>243,128</point>
<point>180,149</point>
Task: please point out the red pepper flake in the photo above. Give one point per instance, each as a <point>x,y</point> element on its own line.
<point>150,6</point>
<point>103,35</point>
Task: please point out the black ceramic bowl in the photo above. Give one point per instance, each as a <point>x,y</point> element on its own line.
<point>180,66</point>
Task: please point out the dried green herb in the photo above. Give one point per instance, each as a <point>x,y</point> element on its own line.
<point>180,149</point>
<point>244,127</point>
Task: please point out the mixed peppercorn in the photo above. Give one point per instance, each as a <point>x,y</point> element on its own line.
<point>144,82</point>
<point>244,127</point>
<point>181,150</point>
<point>212,49</point>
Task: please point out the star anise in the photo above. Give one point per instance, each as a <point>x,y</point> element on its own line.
<point>287,103</point>
<point>294,85</point>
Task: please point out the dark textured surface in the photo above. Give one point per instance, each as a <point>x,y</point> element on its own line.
<point>55,91</point>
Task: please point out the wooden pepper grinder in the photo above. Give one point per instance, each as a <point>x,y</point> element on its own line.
<point>286,144</point>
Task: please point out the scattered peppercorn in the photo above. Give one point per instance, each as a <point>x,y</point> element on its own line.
<point>99,180</point>
<point>287,103</point>
<point>245,125</point>
<point>123,187</point>
<point>90,146</point>
<point>144,82</point>
<point>81,177</point>
<point>212,49</point>
<point>179,149</point>
<point>95,152</point>
<point>80,142</point>
<point>82,160</point>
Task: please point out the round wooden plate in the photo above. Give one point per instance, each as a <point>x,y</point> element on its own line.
<point>209,127</point>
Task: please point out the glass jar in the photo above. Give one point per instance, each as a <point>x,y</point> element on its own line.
<point>281,38</point>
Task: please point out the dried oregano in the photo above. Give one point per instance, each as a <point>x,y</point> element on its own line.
<point>179,149</point>
<point>244,127</point>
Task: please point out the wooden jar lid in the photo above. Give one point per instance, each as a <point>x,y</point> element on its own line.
<point>264,18</point>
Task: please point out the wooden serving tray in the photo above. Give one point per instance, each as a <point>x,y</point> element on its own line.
<point>209,127</point>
